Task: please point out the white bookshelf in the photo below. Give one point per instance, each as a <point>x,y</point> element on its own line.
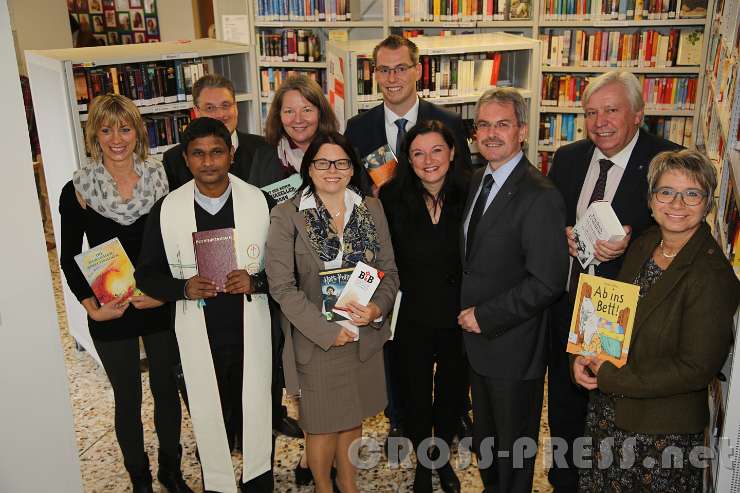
<point>522,71</point>
<point>60,120</point>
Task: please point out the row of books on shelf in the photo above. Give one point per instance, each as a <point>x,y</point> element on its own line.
<point>445,75</point>
<point>461,10</point>
<point>649,48</point>
<point>659,93</point>
<point>164,130</point>
<point>289,45</point>
<point>563,128</point>
<point>303,10</point>
<point>144,83</point>
<point>579,10</point>
<point>271,78</point>
<point>723,67</point>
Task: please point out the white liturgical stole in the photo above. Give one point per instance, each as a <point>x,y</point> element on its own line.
<point>251,220</point>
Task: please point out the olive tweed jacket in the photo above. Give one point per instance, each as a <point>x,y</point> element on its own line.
<point>681,336</point>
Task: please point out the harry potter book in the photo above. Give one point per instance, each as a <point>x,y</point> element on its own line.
<point>215,254</point>
<point>381,165</point>
<point>332,284</point>
<point>602,320</point>
<point>108,270</point>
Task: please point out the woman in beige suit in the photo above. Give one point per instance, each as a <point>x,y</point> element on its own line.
<point>337,374</point>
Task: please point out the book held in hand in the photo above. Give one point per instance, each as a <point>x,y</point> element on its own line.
<point>332,284</point>
<point>108,270</point>
<point>284,189</point>
<point>381,165</point>
<point>598,223</point>
<point>362,283</point>
<point>215,254</point>
<point>603,315</point>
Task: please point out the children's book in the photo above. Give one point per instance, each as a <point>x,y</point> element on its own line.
<point>108,270</point>
<point>602,320</point>
<point>381,165</point>
<point>598,223</point>
<point>360,286</point>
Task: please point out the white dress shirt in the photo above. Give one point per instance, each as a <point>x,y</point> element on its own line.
<point>391,130</point>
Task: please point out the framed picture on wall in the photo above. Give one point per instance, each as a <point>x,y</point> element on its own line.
<point>149,7</point>
<point>110,19</point>
<point>137,20</point>
<point>152,28</point>
<point>80,6</point>
<point>113,38</point>
<point>139,38</point>
<point>126,39</point>
<point>124,21</point>
<point>109,4</point>
<point>102,39</point>
<point>121,4</point>
<point>98,23</point>
<point>135,4</point>
<point>96,7</point>
<point>84,20</point>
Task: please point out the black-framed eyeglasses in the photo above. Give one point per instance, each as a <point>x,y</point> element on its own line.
<point>213,108</point>
<point>397,70</point>
<point>690,197</point>
<point>339,164</point>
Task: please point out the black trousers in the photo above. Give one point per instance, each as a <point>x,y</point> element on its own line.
<point>432,380</point>
<point>566,402</point>
<point>121,363</point>
<point>228,363</point>
<point>505,410</point>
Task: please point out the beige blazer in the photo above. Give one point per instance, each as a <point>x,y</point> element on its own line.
<point>293,275</point>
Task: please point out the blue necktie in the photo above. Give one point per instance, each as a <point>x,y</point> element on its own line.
<point>401,124</point>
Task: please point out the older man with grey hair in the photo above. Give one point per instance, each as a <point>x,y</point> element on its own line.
<point>514,267</point>
<point>611,164</point>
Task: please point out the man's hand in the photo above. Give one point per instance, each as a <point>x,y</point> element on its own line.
<point>197,288</point>
<point>595,365</point>
<point>467,320</point>
<point>581,374</point>
<point>238,282</point>
<point>572,250</point>
<point>609,250</point>
<point>362,315</point>
<point>344,336</point>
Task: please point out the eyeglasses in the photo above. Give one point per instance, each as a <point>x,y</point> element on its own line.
<point>324,164</point>
<point>690,197</point>
<point>213,108</point>
<point>485,126</point>
<point>397,70</point>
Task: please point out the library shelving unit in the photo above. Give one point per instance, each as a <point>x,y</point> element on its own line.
<point>678,117</point>
<point>719,138</point>
<point>518,66</point>
<point>60,119</point>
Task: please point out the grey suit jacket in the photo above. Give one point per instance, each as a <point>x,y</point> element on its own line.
<point>293,275</point>
<point>516,268</point>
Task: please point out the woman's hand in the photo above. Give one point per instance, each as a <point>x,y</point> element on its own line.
<point>110,311</point>
<point>344,336</point>
<point>595,365</point>
<point>581,374</point>
<point>362,315</point>
<point>144,301</point>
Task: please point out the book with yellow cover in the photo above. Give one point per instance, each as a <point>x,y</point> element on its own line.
<point>602,320</point>
<point>108,270</point>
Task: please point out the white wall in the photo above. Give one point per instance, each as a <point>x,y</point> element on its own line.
<point>39,25</point>
<point>38,450</point>
<point>175,19</point>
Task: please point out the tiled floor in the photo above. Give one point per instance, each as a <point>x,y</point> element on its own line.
<point>100,458</point>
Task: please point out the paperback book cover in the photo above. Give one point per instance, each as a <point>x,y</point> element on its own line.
<point>603,315</point>
<point>108,270</point>
<point>598,223</point>
<point>284,189</point>
<point>360,286</point>
<point>381,165</point>
<point>332,284</point>
<point>215,254</point>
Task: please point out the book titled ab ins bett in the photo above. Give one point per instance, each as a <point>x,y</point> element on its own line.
<point>215,254</point>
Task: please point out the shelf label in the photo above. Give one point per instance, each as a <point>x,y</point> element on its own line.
<point>178,56</point>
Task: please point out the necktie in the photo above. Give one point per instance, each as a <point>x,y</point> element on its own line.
<point>401,124</point>
<point>477,214</point>
<point>597,194</point>
<point>600,187</point>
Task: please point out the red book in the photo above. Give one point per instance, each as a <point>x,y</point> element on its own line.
<point>496,68</point>
<point>215,254</point>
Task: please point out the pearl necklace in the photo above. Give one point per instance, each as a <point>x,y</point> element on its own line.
<point>666,255</point>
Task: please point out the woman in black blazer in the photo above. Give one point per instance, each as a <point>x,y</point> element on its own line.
<point>424,205</point>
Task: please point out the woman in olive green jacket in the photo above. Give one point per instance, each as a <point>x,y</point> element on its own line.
<point>656,404</point>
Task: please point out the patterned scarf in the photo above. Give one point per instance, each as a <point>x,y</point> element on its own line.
<point>96,185</point>
<point>290,157</point>
<point>360,235</point>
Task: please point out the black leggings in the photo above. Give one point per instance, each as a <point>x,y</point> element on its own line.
<point>121,363</point>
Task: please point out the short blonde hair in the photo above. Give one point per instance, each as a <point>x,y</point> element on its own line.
<point>113,109</point>
<point>692,163</point>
